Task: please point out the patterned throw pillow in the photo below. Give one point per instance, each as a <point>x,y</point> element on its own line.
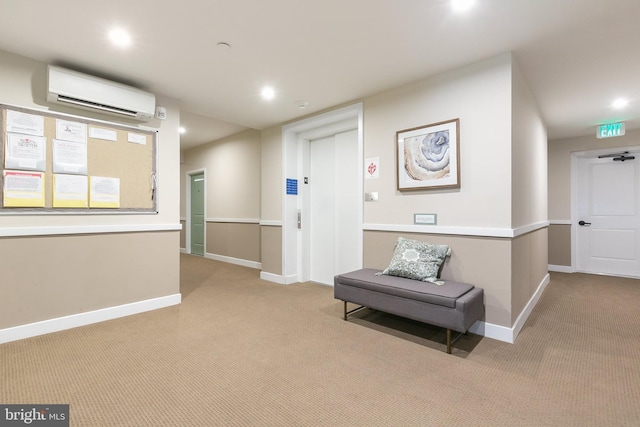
<point>417,260</point>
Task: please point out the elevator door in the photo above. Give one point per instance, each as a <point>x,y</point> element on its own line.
<point>334,200</point>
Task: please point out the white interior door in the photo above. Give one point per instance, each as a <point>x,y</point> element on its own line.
<point>334,200</point>
<point>608,216</point>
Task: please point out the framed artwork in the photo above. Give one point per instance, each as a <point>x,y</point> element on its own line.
<point>429,156</point>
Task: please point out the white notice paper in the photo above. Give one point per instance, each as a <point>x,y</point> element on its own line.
<point>100,133</point>
<point>137,138</point>
<point>71,187</point>
<point>71,131</point>
<point>69,157</point>
<point>27,152</point>
<point>25,123</point>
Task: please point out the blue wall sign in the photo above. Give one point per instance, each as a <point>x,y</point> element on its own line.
<point>292,186</point>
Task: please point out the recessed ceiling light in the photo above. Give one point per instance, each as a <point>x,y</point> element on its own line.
<point>181,129</point>
<point>620,103</point>
<point>224,46</point>
<point>120,37</point>
<point>462,5</point>
<point>268,93</point>
<point>302,104</point>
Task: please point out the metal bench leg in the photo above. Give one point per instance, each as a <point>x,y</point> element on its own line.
<point>451,341</point>
<point>346,313</point>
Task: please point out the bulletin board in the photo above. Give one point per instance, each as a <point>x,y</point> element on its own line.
<point>58,163</point>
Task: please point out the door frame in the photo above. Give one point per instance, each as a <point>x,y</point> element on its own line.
<point>293,136</point>
<point>188,176</point>
<point>575,158</point>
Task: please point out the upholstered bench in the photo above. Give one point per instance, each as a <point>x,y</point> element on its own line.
<point>451,305</point>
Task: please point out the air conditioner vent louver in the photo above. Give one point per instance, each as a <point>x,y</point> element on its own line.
<point>89,104</point>
<point>93,93</point>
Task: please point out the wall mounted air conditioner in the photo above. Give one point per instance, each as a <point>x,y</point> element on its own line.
<point>92,93</point>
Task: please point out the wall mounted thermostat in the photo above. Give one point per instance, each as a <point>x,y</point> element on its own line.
<point>161,113</point>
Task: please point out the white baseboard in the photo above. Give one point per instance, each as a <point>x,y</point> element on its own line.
<point>560,268</point>
<point>524,315</point>
<point>277,278</point>
<point>503,333</point>
<point>82,319</point>
<point>237,261</point>
<point>270,277</point>
<point>291,279</point>
<point>489,330</point>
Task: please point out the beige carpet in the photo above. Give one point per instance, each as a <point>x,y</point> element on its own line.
<point>244,352</point>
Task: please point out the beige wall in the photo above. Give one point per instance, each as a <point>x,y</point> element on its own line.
<point>560,245</point>
<point>183,234</point>
<point>232,175</point>
<point>60,265</point>
<point>272,180</point>
<point>271,249</point>
<point>529,156</point>
<point>529,268</point>
<point>234,240</point>
<point>47,277</point>
<point>529,256</point>
<point>480,96</point>
<point>271,201</point>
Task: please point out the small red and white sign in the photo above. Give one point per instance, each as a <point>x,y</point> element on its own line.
<point>372,167</point>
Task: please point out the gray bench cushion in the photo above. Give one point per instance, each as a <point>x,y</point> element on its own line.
<point>444,295</point>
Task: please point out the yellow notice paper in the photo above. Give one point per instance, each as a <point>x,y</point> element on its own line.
<point>70,191</point>
<point>104,192</point>
<point>23,189</point>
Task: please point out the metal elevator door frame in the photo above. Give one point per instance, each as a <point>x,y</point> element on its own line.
<point>292,134</point>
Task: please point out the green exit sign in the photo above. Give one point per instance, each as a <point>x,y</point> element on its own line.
<point>610,130</point>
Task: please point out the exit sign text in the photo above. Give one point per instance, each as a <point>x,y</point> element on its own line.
<point>610,130</point>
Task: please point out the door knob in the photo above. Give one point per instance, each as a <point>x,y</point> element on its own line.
<point>583,223</point>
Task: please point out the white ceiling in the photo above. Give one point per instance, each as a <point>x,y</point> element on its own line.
<point>576,55</point>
